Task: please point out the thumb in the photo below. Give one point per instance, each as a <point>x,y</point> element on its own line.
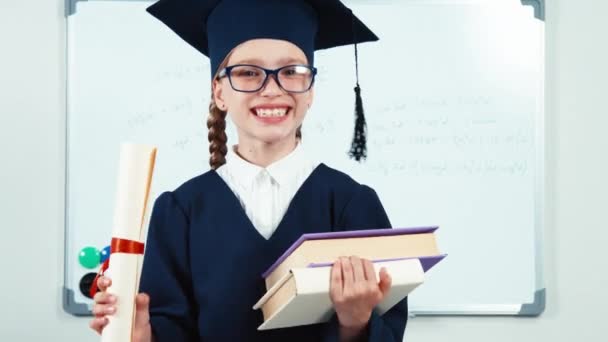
<point>385,282</point>
<point>142,313</point>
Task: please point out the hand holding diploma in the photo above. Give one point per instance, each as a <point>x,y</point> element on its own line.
<point>121,313</point>
<point>105,304</point>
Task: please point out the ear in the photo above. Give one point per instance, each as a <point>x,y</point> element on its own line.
<point>311,96</point>
<point>218,96</point>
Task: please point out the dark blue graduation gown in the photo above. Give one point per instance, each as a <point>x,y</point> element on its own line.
<point>204,258</point>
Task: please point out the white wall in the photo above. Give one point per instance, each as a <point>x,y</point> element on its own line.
<point>32,108</point>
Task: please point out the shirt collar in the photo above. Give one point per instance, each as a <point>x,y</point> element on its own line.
<point>282,171</point>
<point>243,171</point>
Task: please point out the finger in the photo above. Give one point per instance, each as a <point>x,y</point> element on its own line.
<point>336,285</point>
<point>104,298</point>
<point>347,273</point>
<point>358,273</point>
<point>385,282</point>
<point>142,310</point>
<point>370,272</point>
<point>103,283</point>
<point>100,310</point>
<point>98,323</point>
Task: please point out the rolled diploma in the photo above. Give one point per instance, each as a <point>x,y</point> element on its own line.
<point>136,166</point>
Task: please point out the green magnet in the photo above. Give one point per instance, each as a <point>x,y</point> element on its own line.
<point>89,257</point>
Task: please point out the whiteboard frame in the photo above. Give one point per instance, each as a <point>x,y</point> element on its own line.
<point>533,309</point>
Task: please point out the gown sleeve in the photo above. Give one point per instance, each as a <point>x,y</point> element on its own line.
<point>166,274</point>
<point>364,211</point>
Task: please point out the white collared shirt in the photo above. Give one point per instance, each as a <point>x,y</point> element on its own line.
<point>265,193</point>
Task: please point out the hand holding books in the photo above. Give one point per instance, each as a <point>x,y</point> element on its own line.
<point>355,291</point>
<point>299,284</point>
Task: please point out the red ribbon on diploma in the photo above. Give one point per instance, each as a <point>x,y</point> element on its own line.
<point>118,246</point>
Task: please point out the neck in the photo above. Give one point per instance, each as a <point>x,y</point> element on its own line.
<point>263,154</point>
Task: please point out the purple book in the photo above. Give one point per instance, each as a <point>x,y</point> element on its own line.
<point>429,262</point>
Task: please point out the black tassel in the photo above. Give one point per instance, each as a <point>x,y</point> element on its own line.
<point>358,148</point>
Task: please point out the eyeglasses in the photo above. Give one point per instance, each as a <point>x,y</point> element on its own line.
<point>251,78</point>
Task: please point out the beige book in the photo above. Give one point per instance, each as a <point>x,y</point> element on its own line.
<point>135,171</point>
<point>375,244</point>
<point>302,296</point>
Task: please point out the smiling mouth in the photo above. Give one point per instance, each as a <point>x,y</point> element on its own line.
<point>275,112</point>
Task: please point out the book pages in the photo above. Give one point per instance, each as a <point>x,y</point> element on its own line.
<point>311,302</point>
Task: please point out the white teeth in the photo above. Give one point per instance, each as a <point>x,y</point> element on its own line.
<point>276,112</point>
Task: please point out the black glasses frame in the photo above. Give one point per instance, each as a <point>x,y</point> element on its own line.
<point>226,72</point>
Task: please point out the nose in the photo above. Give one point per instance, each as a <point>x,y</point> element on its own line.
<point>271,88</point>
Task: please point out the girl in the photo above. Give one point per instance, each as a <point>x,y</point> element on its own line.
<point>211,238</point>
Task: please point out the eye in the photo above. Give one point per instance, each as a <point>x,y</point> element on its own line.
<point>290,71</point>
<point>295,70</point>
<point>246,72</point>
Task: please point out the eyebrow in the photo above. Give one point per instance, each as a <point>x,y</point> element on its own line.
<point>282,61</point>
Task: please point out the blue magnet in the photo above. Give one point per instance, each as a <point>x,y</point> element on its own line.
<point>105,254</point>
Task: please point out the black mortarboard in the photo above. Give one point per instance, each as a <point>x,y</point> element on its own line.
<point>215,27</point>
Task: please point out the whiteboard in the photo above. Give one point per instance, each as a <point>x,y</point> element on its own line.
<point>455,133</point>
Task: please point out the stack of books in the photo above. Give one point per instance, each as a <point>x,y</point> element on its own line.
<point>298,282</point>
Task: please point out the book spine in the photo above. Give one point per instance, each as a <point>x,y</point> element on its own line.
<point>294,259</point>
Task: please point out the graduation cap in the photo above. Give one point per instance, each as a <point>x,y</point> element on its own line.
<point>215,27</point>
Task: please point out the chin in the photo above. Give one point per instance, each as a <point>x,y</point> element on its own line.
<point>274,137</point>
